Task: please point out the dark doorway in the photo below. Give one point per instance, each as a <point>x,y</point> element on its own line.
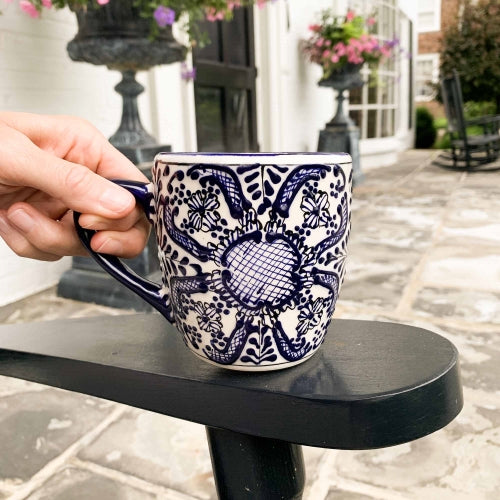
<point>225,86</point>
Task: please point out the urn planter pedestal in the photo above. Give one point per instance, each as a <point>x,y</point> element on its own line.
<point>114,35</point>
<point>341,134</point>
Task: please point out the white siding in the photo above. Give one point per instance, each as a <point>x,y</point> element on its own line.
<point>291,107</point>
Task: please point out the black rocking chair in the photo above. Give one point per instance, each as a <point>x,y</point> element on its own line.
<point>372,385</point>
<point>468,152</point>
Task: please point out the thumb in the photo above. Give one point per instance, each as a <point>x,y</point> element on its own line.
<point>78,187</point>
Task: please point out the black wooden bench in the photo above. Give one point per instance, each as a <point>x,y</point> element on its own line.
<point>468,152</point>
<point>372,385</point>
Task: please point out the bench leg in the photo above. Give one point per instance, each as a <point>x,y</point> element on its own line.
<point>254,468</point>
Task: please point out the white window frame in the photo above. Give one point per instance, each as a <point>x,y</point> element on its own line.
<point>436,26</point>
<point>434,58</point>
<point>364,107</point>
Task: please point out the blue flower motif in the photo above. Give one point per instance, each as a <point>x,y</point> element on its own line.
<point>208,318</point>
<point>309,316</point>
<point>202,211</point>
<point>315,208</point>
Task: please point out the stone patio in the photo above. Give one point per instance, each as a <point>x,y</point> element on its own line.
<point>424,250</point>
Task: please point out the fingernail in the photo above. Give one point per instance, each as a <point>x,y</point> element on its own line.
<point>113,247</point>
<point>21,220</point>
<point>91,222</point>
<point>115,199</point>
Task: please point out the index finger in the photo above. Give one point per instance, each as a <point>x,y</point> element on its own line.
<point>75,185</point>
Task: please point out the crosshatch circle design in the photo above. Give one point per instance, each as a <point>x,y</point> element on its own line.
<point>261,273</point>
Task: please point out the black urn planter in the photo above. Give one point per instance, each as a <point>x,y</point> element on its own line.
<point>116,36</point>
<point>341,134</point>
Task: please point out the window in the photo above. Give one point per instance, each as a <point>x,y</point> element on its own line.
<point>426,77</point>
<point>373,107</point>
<point>224,88</point>
<point>429,15</point>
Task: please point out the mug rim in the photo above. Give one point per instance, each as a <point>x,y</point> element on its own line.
<point>188,158</point>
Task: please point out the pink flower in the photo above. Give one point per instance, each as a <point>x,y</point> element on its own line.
<point>47,3</point>
<point>102,2</point>
<point>370,21</point>
<point>335,58</point>
<point>340,49</point>
<point>28,8</point>
<point>355,43</point>
<point>315,27</point>
<point>350,15</point>
<point>386,52</point>
<point>213,15</point>
<point>355,59</point>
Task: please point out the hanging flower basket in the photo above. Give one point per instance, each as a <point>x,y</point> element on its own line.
<point>342,44</point>
<point>345,78</point>
<point>117,36</point>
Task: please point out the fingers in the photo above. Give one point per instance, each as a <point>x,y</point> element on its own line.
<point>32,234</point>
<point>77,186</point>
<point>20,245</point>
<point>75,140</point>
<point>124,237</point>
<point>61,163</point>
<point>90,221</point>
<point>123,244</point>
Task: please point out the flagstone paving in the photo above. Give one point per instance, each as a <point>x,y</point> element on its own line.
<point>424,250</point>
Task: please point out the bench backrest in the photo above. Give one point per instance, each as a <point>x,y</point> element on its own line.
<point>453,105</point>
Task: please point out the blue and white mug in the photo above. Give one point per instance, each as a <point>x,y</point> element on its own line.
<point>252,250</point>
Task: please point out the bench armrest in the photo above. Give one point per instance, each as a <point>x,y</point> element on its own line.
<point>490,123</point>
<point>371,385</point>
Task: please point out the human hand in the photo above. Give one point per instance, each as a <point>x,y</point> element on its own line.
<point>51,165</point>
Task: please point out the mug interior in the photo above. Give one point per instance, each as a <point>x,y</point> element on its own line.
<point>252,158</point>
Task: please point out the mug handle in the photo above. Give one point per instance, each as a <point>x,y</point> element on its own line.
<point>151,292</point>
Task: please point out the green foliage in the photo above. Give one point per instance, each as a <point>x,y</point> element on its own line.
<point>443,142</point>
<point>440,123</point>
<point>472,47</point>
<point>426,131</point>
<point>188,11</point>
<point>474,109</point>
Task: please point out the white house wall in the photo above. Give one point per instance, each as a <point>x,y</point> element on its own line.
<point>291,107</point>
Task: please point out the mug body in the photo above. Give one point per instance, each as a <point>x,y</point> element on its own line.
<point>252,249</point>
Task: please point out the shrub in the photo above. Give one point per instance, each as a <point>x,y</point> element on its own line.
<point>441,123</point>
<point>443,142</point>
<point>475,109</point>
<point>426,130</point>
<point>472,47</point>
